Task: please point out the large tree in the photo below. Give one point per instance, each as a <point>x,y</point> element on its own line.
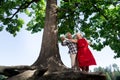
<point>49,55</point>
<point>98,20</point>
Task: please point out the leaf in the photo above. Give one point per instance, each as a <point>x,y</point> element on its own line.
<point>27,11</point>
<point>1,28</point>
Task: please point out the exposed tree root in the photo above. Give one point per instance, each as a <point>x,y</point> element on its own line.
<point>33,73</point>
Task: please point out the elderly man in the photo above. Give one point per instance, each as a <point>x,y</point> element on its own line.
<point>72,48</point>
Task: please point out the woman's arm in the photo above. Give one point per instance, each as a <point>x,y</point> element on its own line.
<point>73,40</point>
<point>89,43</point>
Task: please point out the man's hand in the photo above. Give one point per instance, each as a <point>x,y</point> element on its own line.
<point>62,38</point>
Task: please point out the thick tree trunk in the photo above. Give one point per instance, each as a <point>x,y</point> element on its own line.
<point>49,55</point>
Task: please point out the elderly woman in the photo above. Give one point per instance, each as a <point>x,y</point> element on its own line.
<point>84,55</point>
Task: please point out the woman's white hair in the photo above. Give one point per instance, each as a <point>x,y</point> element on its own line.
<point>79,34</point>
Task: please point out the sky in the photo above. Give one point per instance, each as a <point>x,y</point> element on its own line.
<point>24,49</point>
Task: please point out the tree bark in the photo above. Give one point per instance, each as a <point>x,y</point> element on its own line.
<point>73,75</point>
<point>49,56</point>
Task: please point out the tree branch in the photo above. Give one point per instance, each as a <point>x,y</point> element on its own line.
<point>23,6</point>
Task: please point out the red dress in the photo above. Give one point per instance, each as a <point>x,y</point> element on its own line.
<point>84,56</point>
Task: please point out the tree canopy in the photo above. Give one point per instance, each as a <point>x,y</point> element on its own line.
<point>11,9</point>
<point>97,20</point>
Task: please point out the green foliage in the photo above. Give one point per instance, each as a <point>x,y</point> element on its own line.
<point>108,76</point>
<point>98,20</point>
<point>2,77</point>
<point>10,10</point>
<point>112,72</point>
<point>14,25</point>
<point>1,28</point>
<point>38,12</point>
<point>118,78</point>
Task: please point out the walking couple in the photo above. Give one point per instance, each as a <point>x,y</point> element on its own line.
<point>81,56</point>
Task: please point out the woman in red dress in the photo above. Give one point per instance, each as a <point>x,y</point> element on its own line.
<point>84,55</point>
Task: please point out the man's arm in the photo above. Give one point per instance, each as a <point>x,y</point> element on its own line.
<point>64,43</point>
